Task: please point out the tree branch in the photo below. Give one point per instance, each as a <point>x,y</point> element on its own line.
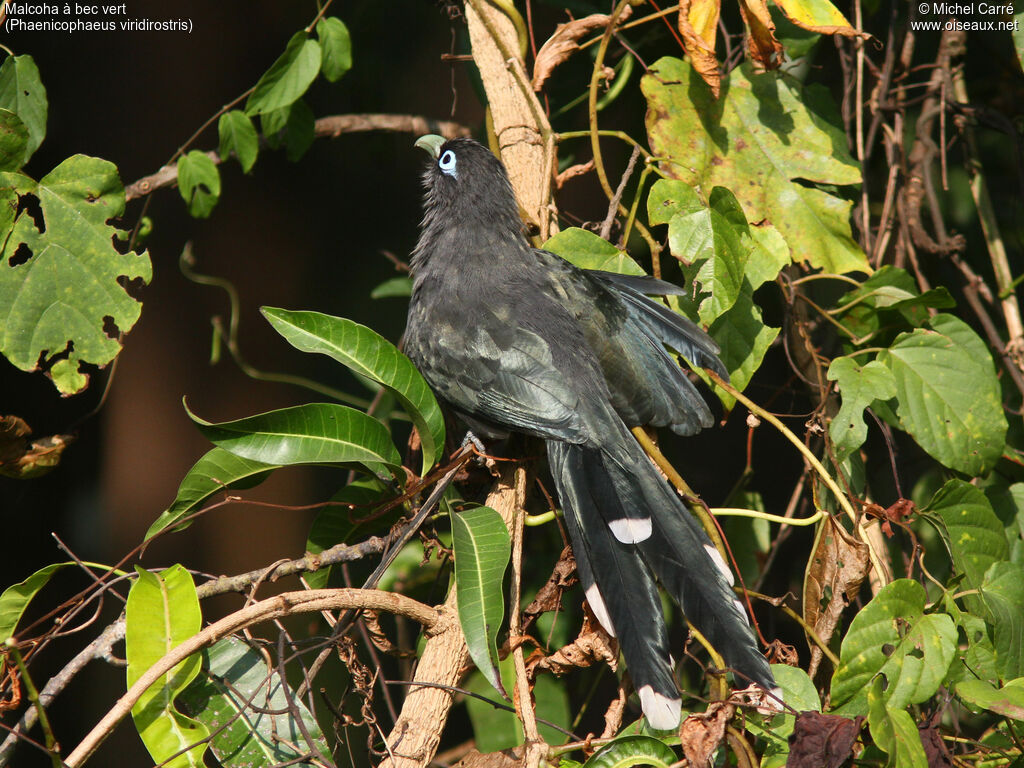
<point>279,606</point>
<point>326,127</point>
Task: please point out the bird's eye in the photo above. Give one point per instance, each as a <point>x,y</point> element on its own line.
<point>447,164</point>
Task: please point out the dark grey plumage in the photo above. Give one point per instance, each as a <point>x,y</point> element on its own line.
<point>513,338</point>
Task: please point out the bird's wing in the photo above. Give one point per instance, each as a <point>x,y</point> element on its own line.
<point>629,335</point>
<point>503,376</point>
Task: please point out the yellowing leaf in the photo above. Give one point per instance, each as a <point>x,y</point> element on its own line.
<point>762,47</point>
<point>817,16</point>
<point>698,24</point>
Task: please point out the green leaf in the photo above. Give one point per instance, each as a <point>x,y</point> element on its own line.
<point>162,612</point>
<point>1003,593</point>
<point>482,549</point>
<point>894,730</point>
<point>744,340</point>
<point>972,533</point>
<point>396,286</point>
<point>317,433</point>
<point>15,598</point>
<point>13,140</point>
<point>495,729</point>
<point>588,251</point>
<point>859,386</point>
<point>761,140</point>
<point>1007,701</point>
<point>238,135</point>
<point>339,521</point>
<point>629,751</point>
<point>769,257</point>
<point>669,197</point>
<point>889,294</point>
<point>22,92</point>
<point>288,78</point>
<point>215,472</point>
<point>273,126</point>
<point>247,709</point>
<point>949,396</point>
<point>198,183</point>
<point>716,240</point>
<point>299,130</point>
<point>893,636</point>
<point>65,284</point>
<point>368,354</point>
<point>335,48</point>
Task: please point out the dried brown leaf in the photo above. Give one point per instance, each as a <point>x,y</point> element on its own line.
<point>762,47</point>
<point>821,741</point>
<point>698,24</point>
<point>565,42</point>
<point>22,459</point>
<point>700,734</point>
<point>838,567</point>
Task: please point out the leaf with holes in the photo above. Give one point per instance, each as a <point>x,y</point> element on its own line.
<point>894,730</point>
<point>892,635</point>
<point>62,298</point>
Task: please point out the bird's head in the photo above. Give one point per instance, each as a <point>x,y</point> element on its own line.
<point>465,183</point>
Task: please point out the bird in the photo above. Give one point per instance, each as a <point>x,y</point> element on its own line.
<point>515,339</point>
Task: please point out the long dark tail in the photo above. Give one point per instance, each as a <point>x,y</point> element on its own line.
<point>628,526</point>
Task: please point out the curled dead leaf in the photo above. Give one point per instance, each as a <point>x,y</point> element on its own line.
<point>700,734</point>
<point>698,25</point>
<point>565,42</point>
<point>762,47</point>
<point>22,459</point>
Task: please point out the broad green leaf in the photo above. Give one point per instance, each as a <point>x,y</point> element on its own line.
<point>247,709</point>
<point>335,48</point>
<point>669,197</point>
<point>859,386</point>
<point>769,257</point>
<point>299,130</point>
<point>273,125</point>
<point>894,730</point>
<point>368,354</point>
<point>238,135</point>
<point>396,286</point>
<point>761,140</point>
<point>317,433</point>
<point>717,241</point>
<point>893,636</point>
<point>1007,701</point>
<point>63,292</point>
<point>340,521</point>
<point>481,546</point>
<point>588,251</point>
<point>13,140</point>
<point>495,729</point>
<point>978,660</point>
<point>972,533</point>
<point>15,598</point>
<point>800,694</point>
<point>215,472</point>
<point>162,612</point>
<point>198,183</point>
<point>950,400</point>
<point>288,78</point>
<point>1003,593</point>
<point>887,297</point>
<point>629,751</point>
<point>22,92</point>
<point>744,340</point>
